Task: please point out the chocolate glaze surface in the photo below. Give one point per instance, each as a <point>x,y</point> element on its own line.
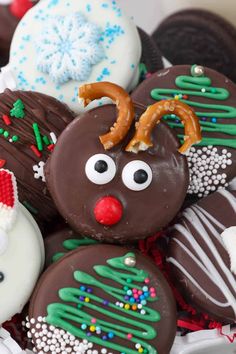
<point>198,257</point>
<point>57,245</point>
<point>8,23</point>
<point>144,212</point>
<point>51,116</point>
<point>60,275</point>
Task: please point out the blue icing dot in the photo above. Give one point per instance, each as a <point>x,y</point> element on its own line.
<point>105,5</point>
<point>53,3</point>
<point>110,33</point>
<point>26,38</point>
<point>132,66</point>
<point>88,7</point>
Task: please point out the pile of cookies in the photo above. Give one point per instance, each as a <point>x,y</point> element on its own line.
<point>117,187</point>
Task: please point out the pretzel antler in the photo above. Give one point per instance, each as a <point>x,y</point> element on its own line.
<point>124,105</point>
<point>142,138</point>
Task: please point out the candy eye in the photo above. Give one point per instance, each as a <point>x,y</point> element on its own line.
<point>1,277</point>
<point>100,169</point>
<point>137,175</point>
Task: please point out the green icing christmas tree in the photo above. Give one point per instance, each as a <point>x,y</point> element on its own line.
<point>200,87</point>
<point>18,109</point>
<point>103,322</point>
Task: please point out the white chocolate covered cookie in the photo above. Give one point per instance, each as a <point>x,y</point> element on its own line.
<point>21,250</point>
<point>61,44</point>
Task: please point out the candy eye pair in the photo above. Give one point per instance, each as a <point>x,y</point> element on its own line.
<point>101,169</point>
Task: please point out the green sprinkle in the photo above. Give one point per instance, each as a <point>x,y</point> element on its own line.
<point>6,134</point>
<point>1,130</point>
<point>15,138</point>
<point>18,109</point>
<point>46,140</point>
<point>30,207</point>
<point>38,136</point>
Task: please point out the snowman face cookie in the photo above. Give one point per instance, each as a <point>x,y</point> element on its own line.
<point>62,44</point>
<point>21,250</point>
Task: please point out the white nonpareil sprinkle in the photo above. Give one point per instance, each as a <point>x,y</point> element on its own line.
<point>205,167</point>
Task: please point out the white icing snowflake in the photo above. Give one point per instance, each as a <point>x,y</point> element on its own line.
<point>39,171</point>
<point>68,47</point>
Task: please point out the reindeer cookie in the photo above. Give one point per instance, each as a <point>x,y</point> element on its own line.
<point>21,250</point>
<point>102,299</point>
<point>124,185</point>
<point>202,255</point>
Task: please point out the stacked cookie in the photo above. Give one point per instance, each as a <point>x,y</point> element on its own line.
<point>105,174</point>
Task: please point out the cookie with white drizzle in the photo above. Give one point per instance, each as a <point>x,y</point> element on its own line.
<point>202,255</point>
<point>102,299</point>
<point>212,163</point>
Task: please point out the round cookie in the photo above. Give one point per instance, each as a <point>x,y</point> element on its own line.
<point>10,14</point>
<point>212,163</point>
<point>44,52</point>
<point>198,36</point>
<point>113,187</point>
<point>202,255</point>
<point>61,242</point>
<point>151,59</point>
<point>108,298</point>
<point>20,243</point>
<point>24,115</point>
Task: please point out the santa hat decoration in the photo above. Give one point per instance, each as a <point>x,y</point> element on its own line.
<point>8,205</point>
<point>229,239</point>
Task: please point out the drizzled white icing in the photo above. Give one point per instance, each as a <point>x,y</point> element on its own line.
<point>208,228</point>
<point>229,239</point>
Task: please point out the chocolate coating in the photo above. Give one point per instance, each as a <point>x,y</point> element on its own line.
<point>198,36</point>
<point>201,182</point>
<point>199,260</point>
<point>56,244</point>
<point>144,212</point>
<point>60,275</point>
<point>8,23</point>
<point>151,55</point>
<point>51,116</point>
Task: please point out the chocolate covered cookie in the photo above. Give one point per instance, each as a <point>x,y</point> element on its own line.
<point>212,163</point>
<point>30,125</point>
<point>61,242</point>
<point>198,36</point>
<point>151,59</point>
<point>202,255</point>
<point>102,299</point>
<point>120,186</point>
<point>10,15</point>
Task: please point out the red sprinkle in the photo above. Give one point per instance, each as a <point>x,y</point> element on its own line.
<point>185,97</point>
<point>6,189</point>
<point>6,119</point>
<point>2,163</point>
<point>51,147</point>
<point>35,150</point>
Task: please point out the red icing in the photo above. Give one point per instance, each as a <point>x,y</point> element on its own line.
<point>108,211</point>
<point>18,8</point>
<point>6,188</point>
<point>2,163</point>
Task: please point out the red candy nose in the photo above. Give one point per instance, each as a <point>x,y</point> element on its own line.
<point>108,211</point>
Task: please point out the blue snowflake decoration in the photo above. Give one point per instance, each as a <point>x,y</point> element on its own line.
<point>68,48</point>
